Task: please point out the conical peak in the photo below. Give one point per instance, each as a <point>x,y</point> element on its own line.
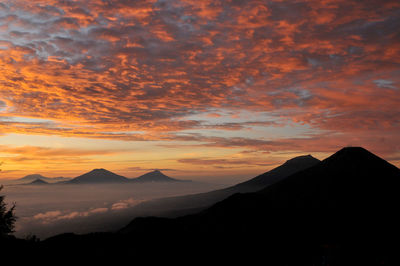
<point>99,175</point>
<point>351,149</point>
<point>99,170</point>
<point>155,172</point>
<point>354,156</point>
<point>352,152</point>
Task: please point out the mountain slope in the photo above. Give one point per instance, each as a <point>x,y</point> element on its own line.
<point>154,176</point>
<point>279,173</point>
<point>351,182</point>
<point>342,211</point>
<point>191,203</point>
<point>350,189</point>
<point>351,178</point>
<point>98,176</point>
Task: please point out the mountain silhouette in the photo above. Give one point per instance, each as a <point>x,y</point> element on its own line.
<point>351,180</point>
<point>347,203</point>
<point>33,177</point>
<point>38,182</point>
<point>98,176</point>
<point>341,211</point>
<point>104,176</point>
<point>291,166</point>
<point>187,204</point>
<point>342,196</point>
<point>154,176</point>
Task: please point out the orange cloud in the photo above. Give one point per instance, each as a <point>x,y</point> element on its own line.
<point>51,152</point>
<point>141,70</point>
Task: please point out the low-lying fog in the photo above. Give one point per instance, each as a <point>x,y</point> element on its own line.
<point>47,210</point>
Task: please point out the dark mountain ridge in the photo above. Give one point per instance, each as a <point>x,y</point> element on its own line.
<point>187,204</point>
<point>347,204</point>
<point>351,178</point>
<point>339,198</point>
<point>279,173</point>
<point>350,196</point>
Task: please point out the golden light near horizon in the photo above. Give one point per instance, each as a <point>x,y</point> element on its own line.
<point>218,91</point>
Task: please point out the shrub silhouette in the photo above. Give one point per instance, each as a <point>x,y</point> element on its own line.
<point>7,218</point>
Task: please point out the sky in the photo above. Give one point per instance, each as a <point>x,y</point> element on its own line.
<point>208,90</point>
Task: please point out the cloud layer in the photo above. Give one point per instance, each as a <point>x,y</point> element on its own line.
<point>181,70</point>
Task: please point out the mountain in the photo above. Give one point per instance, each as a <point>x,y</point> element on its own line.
<point>349,192</point>
<point>98,176</point>
<point>351,178</point>
<point>345,204</point>
<point>341,211</point>
<point>351,181</point>
<point>33,177</point>
<point>291,166</point>
<point>186,204</point>
<point>38,182</point>
<point>154,176</point>
<point>105,176</point>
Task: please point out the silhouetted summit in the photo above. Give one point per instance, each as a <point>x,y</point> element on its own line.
<point>99,176</point>
<point>351,180</point>
<point>291,166</point>
<point>154,176</point>
<point>356,156</point>
<point>352,176</point>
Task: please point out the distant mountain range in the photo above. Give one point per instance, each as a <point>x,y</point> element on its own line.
<point>99,176</point>
<point>33,177</point>
<point>105,176</point>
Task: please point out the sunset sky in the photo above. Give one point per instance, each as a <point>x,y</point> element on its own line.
<point>203,89</point>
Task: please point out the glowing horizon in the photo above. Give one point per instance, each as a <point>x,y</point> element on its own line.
<point>209,90</point>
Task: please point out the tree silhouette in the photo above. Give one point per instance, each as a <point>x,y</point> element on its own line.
<point>7,217</point>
